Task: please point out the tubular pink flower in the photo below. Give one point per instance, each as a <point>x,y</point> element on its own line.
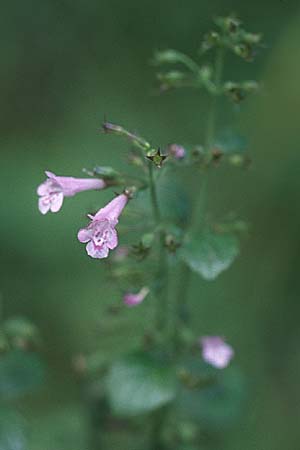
<point>54,189</point>
<point>216,352</point>
<point>100,235</point>
<point>131,299</point>
<point>177,151</point>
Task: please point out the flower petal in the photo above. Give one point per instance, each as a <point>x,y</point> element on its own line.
<point>43,189</point>
<point>56,202</point>
<point>113,240</point>
<point>97,252</point>
<point>50,174</point>
<point>84,235</point>
<point>113,209</point>
<point>43,206</point>
<point>216,351</point>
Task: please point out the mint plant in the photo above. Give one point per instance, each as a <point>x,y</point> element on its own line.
<point>176,386</point>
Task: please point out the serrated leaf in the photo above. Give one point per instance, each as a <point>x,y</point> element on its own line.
<point>216,404</point>
<point>209,253</point>
<point>20,373</point>
<point>139,384</point>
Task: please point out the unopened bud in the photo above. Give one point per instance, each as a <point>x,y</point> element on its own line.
<point>109,127</point>
<point>245,51</point>
<point>177,151</point>
<point>234,91</point>
<point>252,38</point>
<point>166,56</point>
<point>105,172</point>
<point>210,40</point>
<point>228,24</point>
<point>250,86</point>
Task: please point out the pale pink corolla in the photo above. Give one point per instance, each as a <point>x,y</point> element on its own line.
<point>100,235</point>
<point>177,151</point>
<point>55,188</point>
<point>131,299</point>
<point>216,351</point>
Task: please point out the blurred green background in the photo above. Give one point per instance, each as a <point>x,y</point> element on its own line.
<point>64,66</point>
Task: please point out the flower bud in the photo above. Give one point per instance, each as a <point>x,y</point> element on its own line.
<point>228,24</point>
<point>106,173</point>
<point>244,50</point>
<point>250,86</point>
<point>252,38</point>
<point>215,351</point>
<point>177,151</point>
<point>166,56</point>
<point>171,79</point>
<point>131,299</point>
<point>234,91</point>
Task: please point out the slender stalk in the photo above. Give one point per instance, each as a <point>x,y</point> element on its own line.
<point>162,275</point>
<point>211,121</point>
<point>153,193</point>
<point>198,214</point>
<point>162,301</point>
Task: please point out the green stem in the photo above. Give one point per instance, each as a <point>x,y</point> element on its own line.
<point>153,193</point>
<point>162,275</point>
<point>211,121</point>
<point>162,300</point>
<point>197,220</point>
<point>189,63</point>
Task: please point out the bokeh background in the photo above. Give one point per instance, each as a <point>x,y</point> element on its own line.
<point>64,66</point>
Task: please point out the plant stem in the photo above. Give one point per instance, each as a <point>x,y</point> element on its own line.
<point>211,121</point>
<point>198,214</point>
<point>153,192</point>
<point>162,300</point>
<point>162,275</point>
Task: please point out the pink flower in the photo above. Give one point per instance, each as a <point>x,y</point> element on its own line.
<point>216,352</point>
<point>177,151</point>
<point>131,299</point>
<point>100,235</point>
<point>54,189</point>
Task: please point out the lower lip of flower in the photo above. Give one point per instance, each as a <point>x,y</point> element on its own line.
<point>101,235</point>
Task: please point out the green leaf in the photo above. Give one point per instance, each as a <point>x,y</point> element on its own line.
<point>214,404</point>
<point>12,431</point>
<point>20,373</point>
<point>140,383</point>
<point>209,253</point>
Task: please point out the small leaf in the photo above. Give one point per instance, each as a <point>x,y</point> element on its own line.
<point>140,383</point>
<point>20,373</point>
<point>209,253</point>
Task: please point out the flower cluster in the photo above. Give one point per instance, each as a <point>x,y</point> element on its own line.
<point>100,235</point>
